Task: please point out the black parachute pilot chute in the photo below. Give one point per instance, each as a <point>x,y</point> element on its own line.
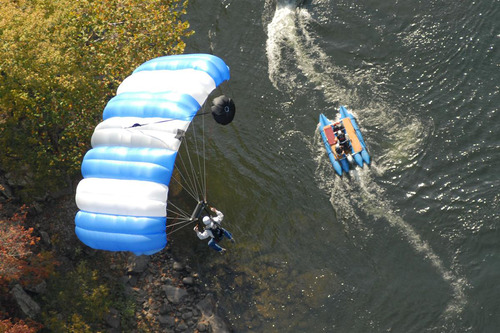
<point>223,109</point>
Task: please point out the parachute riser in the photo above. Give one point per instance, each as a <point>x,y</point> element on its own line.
<point>195,216</point>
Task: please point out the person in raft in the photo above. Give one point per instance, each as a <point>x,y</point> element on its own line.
<point>214,230</point>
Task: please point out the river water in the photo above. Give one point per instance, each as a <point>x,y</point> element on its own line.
<point>409,244</point>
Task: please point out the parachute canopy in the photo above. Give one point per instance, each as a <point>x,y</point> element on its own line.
<point>123,196</point>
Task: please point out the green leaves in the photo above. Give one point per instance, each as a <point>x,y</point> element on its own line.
<point>60,62</point>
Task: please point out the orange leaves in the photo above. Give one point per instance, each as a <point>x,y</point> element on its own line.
<point>17,260</point>
<point>15,243</point>
<point>19,326</point>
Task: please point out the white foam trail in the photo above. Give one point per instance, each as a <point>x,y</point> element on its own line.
<point>288,40</point>
<point>281,32</point>
<point>371,195</point>
<point>291,46</point>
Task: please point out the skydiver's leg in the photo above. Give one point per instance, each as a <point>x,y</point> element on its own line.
<point>228,235</point>
<point>213,244</point>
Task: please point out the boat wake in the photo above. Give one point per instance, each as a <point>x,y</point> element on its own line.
<point>292,52</point>
<point>369,197</point>
<point>290,46</point>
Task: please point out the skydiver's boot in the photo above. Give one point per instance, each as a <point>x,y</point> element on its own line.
<point>222,251</point>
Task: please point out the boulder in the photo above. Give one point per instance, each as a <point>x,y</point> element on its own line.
<point>208,309</point>
<point>40,288</point>
<point>5,190</point>
<point>182,327</point>
<point>113,318</point>
<point>188,281</point>
<point>174,294</point>
<point>168,321</point>
<point>27,305</point>
<point>202,326</point>
<point>45,237</point>
<point>178,266</point>
<point>137,264</point>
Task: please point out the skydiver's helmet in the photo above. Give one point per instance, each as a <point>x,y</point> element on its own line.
<point>207,220</point>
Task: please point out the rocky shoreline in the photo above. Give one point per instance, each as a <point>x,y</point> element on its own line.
<point>169,296</point>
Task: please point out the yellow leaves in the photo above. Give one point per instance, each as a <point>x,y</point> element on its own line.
<point>77,324</point>
<point>82,296</point>
<point>60,61</point>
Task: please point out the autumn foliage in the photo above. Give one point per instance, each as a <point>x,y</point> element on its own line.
<point>18,262</point>
<point>60,62</point>
<point>19,326</point>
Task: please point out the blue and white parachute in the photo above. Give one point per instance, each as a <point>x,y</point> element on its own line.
<point>123,196</point>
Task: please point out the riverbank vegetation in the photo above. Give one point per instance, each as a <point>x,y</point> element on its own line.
<point>60,62</point>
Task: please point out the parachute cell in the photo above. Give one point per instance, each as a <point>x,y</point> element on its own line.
<point>123,196</point>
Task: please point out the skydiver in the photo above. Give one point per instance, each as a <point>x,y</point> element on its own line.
<point>214,230</point>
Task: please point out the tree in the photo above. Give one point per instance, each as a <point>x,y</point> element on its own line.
<point>19,326</point>
<point>19,263</point>
<point>60,61</point>
<point>18,260</point>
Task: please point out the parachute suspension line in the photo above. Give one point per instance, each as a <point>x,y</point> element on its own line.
<point>195,215</point>
<point>197,183</point>
<point>189,190</point>
<point>204,177</point>
<point>146,124</point>
<point>177,217</point>
<point>178,223</point>
<point>194,170</point>
<point>186,176</point>
<point>191,182</point>
<point>184,219</point>
<point>179,211</point>
<point>194,173</point>
<point>185,225</point>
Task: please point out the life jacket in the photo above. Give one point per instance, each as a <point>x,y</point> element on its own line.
<point>217,232</point>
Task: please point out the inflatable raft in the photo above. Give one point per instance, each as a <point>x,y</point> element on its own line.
<point>343,141</point>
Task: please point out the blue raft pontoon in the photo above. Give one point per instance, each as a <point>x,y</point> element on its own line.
<point>339,149</point>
